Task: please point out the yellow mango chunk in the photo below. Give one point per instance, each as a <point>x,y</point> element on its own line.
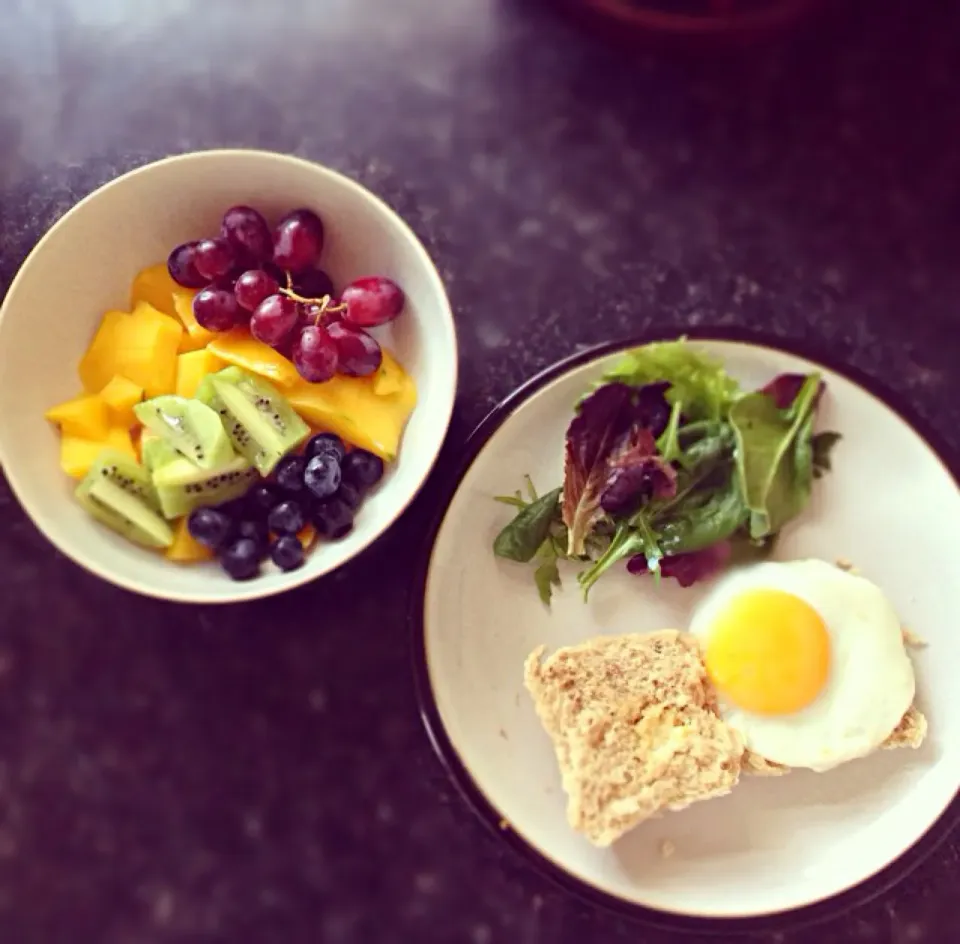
<point>194,337</point>
<point>84,416</point>
<point>97,364</point>
<point>121,396</point>
<point>155,286</point>
<point>77,454</point>
<point>390,378</point>
<point>184,549</point>
<point>192,367</point>
<point>307,535</point>
<point>141,346</point>
<point>349,407</point>
<point>120,438</point>
<point>238,348</point>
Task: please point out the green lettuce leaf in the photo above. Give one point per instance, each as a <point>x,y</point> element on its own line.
<point>698,382</point>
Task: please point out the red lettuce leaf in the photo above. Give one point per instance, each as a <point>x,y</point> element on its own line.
<point>687,568</point>
<point>602,428</point>
<point>636,472</point>
<point>592,436</point>
<point>785,387</point>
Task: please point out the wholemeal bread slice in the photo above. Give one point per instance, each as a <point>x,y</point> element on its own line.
<point>634,725</point>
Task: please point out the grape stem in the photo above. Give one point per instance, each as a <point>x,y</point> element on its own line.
<point>324,305</point>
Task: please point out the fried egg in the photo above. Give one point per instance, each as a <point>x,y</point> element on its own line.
<point>807,660</point>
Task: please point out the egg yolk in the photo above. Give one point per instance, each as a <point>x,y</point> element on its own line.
<point>768,652</point>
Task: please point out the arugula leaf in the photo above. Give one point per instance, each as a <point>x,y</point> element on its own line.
<point>631,537</point>
<point>774,480</point>
<point>668,445</point>
<point>823,445</point>
<point>522,537</point>
<point>697,380</point>
<point>546,577</point>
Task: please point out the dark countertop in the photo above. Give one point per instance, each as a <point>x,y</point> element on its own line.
<point>259,773</point>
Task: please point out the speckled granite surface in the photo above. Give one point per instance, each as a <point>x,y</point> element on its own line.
<point>259,774</point>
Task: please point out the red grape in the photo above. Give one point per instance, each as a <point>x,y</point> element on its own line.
<point>315,354</point>
<point>214,258</point>
<point>216,309</point>
<point>182,266</point>
<point>372,301</point>
<point>253,287</point>
<point>358,355</point>
<point>298,241</point>
<point>275,317</point>
<point>247,231</point>
<point>314,283</point>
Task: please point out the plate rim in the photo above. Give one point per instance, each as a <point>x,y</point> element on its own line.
<point>804,915</point>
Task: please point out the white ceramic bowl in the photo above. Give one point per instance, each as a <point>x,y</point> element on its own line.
<point>84,266</point>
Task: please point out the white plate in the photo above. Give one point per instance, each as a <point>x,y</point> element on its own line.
<point>891,505</point>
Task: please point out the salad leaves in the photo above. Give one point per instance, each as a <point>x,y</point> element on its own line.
<point>673,469</point>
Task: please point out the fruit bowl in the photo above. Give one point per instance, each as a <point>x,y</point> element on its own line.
<point>83,267</point>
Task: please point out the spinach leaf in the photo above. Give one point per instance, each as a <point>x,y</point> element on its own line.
<point>708,516</point>
<point>774,481</point>
<point>521,538</point>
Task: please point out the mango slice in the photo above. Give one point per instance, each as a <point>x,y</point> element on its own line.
<point>390,377</point>
<point>184,549</point>
<point>194,337</point>
<point>84,416</point>
<point>97,364</point>
<point>238,348</point>
<point>349,407</point>
<point>141,346</point>
<point>155,286</point>
<point>307,535</point>
<point>77,454</point>
<point>120,396</point>
<point>192,367</point>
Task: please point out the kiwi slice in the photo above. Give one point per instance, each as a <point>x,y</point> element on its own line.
<point>258,419</point>
<point>155,451</point>
<point>181,486</point>
<point>117,492</point>
<point>191,427</point>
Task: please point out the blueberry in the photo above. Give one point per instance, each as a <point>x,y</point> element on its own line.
<point>209,526</point>
<point>362,468</point>
<point>322,475</point>
<point>241,559</point>
<point>261,498</point>
<point>325,442</point>
<point>256,530</point>
<point>290,474</point>
<point>286,518</point>
<point>287,552</point>
<point>332,518</point>
<point>350,495</point>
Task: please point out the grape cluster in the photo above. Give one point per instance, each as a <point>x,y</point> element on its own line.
<point>271,283</point>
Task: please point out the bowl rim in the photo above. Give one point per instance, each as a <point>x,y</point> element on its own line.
<point>809,914</point>
<point>250,590</point>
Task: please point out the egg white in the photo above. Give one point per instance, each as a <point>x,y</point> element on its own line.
<point>870,684</point>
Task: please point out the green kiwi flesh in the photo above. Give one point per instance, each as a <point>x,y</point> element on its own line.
<point>182,487</point>
<point>190,427</point>
<point>258,419</point>
<point>117,492</point>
